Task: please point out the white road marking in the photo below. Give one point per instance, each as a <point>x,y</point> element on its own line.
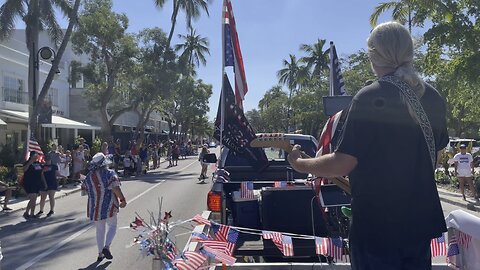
<point>75,235</point>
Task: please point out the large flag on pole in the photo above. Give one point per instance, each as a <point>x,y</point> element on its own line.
<point>233,54</point>
<point>337,85</point>
<point>237,132</point>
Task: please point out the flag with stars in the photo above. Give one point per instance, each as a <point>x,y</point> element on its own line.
<point>233,54</point>
<point>337,85</point>
<point>438,246</point>
<point>237,131</point>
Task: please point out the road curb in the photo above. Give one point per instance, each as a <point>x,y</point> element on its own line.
<point>65,194</point>
<point>469,206</point>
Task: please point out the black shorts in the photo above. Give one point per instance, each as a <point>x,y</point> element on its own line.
<point>31,188</point>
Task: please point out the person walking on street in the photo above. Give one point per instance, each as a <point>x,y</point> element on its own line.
<point>388,147</point>
<point>33,182</point>
<point>50,173</point>
<point>464,170</point>
<point>104,200</point>
<point>203,173</point>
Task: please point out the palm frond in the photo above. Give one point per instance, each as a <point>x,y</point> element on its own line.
<point>381,8</point>
<point>400,13</point>
<point>65,6</point>
<point>160,3</point>
<point>49,22</point>
<point>9,11</point>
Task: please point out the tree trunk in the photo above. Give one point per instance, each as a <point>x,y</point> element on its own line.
<point>176,7</point>
<point>32,33</point>
<point>48,81</point>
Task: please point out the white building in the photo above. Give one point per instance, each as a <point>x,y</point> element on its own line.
<point>71,115</point>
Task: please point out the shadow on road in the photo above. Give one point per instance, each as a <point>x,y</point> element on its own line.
<point>96,265</point>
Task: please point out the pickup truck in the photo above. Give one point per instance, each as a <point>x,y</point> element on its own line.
<point>288,208</point>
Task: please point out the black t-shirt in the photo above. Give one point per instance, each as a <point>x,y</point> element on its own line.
<point>33,175</point>
<point>395,200</point>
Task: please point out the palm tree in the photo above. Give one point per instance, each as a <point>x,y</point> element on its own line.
<point>192,9</point>
<point>194,48</point>
<point>38,15</point>
<point>317,57</point>
<point>294,75</point>
<point>403,10</point>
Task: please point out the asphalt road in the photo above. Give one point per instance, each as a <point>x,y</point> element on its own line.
<point>66,240</point>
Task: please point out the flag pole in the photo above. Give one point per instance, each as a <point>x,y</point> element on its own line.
<point>222,99</point>
<point>331,69</point>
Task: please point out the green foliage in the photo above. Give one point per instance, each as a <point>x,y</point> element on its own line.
<point>96,146</point>
<point>356,71</point>
<point>10,155</point>
<point>442,178</point>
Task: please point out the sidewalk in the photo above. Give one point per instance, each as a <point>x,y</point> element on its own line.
<point>19,204</point>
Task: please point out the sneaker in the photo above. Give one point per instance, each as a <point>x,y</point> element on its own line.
<point>107,253</point>
<point>39,214</point>
<point>26,216</point>
<point>50,213</point>
<point>100,258</point>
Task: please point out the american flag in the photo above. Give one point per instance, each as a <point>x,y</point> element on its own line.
<point>219,255</point>
<point>233,54</point>
<point>226,246</point>
<point>453,250</point>
<point>321,246</point>
<point>201,220</point>
<point>190,261</point>
<point>246,190</point>
<point>335,248</point>
<point>171,249</point>
<point>282,242</point>
<point>220,231</point>
<point>438,246</point>
<point>196,236</point>
<point>337,85</point>
<point>34,146</point>
<point>280,184</point>
<point>464,239</point>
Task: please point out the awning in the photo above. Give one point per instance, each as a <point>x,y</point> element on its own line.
<point>57,121</point>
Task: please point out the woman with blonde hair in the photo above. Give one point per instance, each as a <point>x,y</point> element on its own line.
<point>394,129</point>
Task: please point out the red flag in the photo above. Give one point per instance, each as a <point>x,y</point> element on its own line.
<point>233,54</point>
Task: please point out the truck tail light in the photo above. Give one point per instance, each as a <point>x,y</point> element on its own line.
<point>214,201</point>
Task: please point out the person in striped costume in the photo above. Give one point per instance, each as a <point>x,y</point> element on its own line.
<point>104,200</point>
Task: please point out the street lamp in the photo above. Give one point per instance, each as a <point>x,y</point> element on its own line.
<point>45,53</point>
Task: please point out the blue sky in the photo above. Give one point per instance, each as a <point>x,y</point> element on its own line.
<point>269,30</point>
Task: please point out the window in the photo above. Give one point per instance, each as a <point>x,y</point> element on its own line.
<point>14,90</point>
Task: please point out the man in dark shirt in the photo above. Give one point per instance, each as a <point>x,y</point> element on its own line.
<point>396,209</point>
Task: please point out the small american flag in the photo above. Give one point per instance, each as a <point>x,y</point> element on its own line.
<point>246,190</point>
<point>171,249</point>
<point>220,231</point>
<point>321,246</point>
<point>464,239</point>
<point>335,248</point>
<point>287,246</point>
<point>282,242</point>
<point>198,236</point>
<point>280,184</point>
<point>219,255</point>
<point>201,220</point>
<point>438,246</point>
<point>453,250</point>
<point>34,146</point>
<point>191,261</point>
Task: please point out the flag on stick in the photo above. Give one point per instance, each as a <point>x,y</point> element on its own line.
<point>33,145</point>
<point>191,261</point>
<point>438,246</point>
